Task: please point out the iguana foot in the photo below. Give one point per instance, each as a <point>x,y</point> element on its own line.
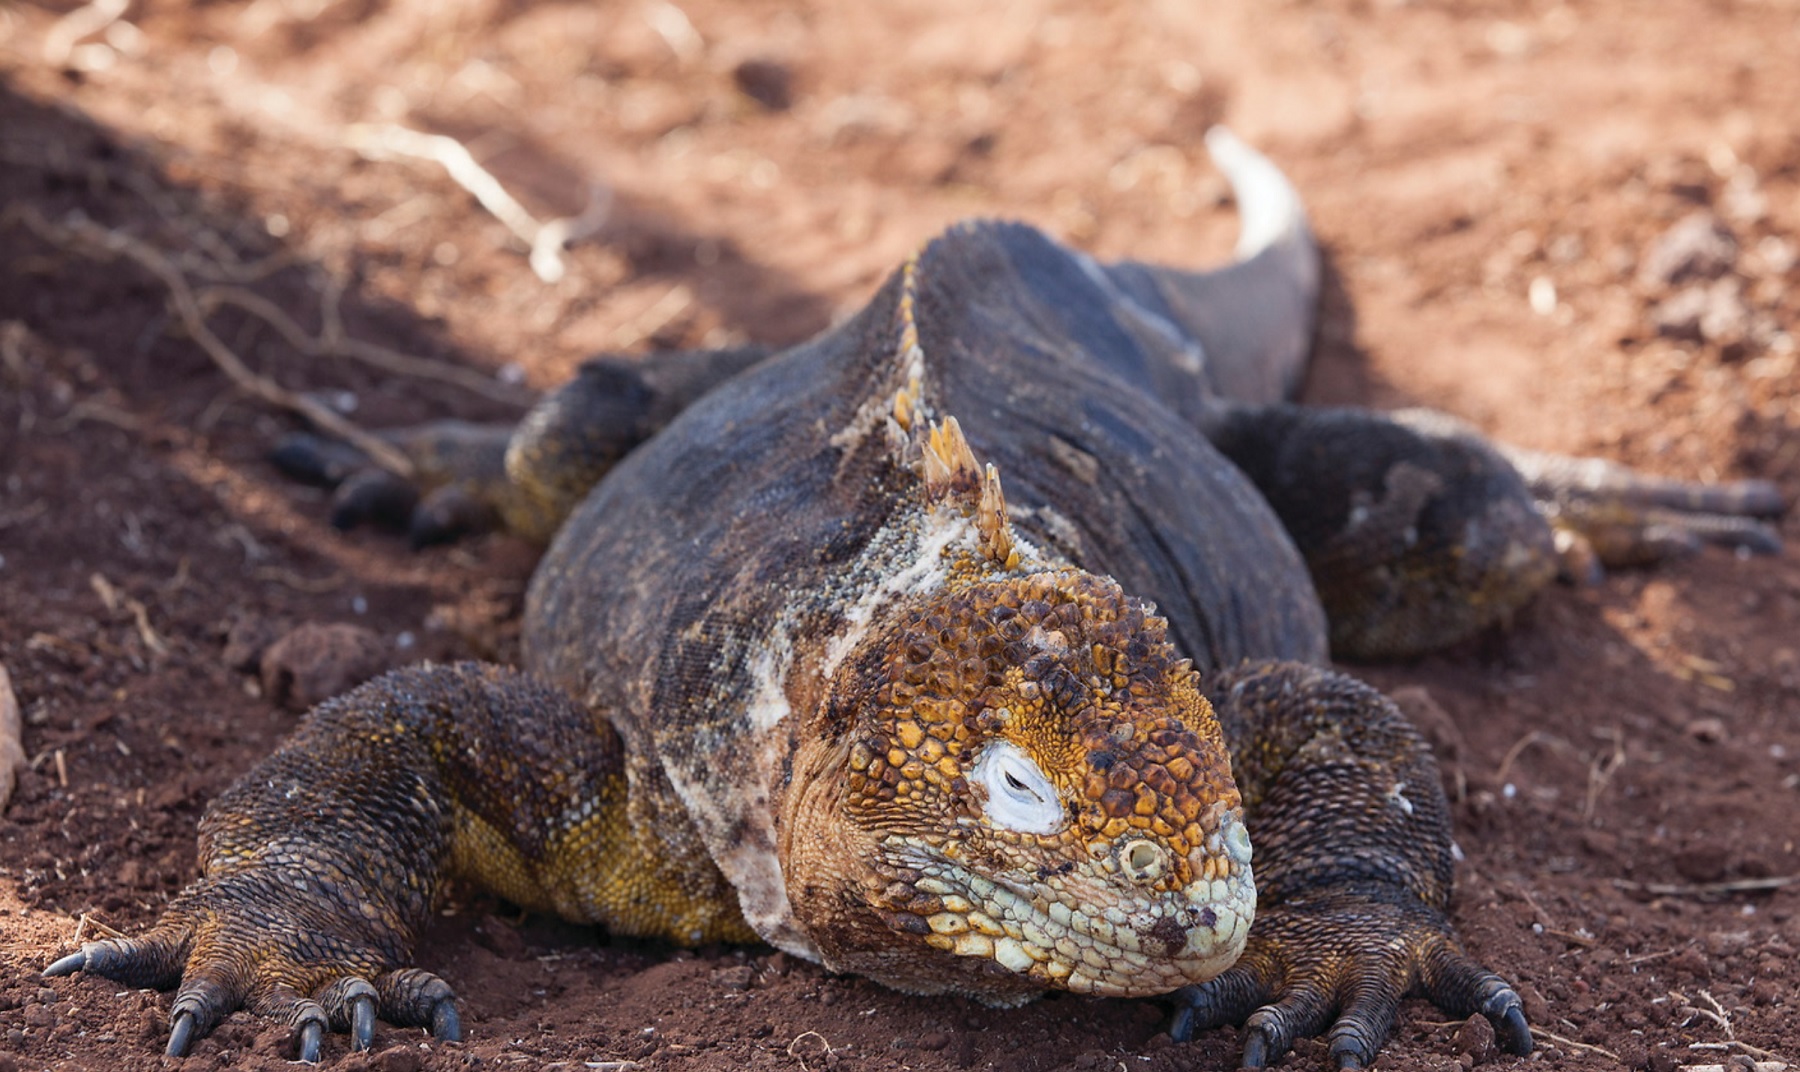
<point>239,942</point>
<point>1607,515</point>
<point>1338,964</point>
<point>281,946</point>
<point>460,488</point>
<point>525,478</point>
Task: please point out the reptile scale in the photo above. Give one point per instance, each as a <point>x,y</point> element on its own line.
<point>978,646</point>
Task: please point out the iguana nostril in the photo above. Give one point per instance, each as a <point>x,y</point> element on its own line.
<point>1142,861</point>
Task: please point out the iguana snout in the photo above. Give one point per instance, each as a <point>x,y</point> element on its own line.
<point>1041,799</point>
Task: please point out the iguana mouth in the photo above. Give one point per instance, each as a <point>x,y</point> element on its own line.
<point>1084,932</point>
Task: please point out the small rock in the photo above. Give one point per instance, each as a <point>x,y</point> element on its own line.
<point>1702,862</point>
<point>398,1059</point>
<point>245,641</point>
<point>40,1016</point>
<point>1537,1008</point>
<point>1699,246</point>
<point>738,978</point>
<point>1693,964</point>
<point>1663,1061</point>
<point>1710,730</point>
<point>934,1040</point>
<point>767,82</point>
<point>1715,314</point>
<point>316,662</point>
<point>1475,1038</point>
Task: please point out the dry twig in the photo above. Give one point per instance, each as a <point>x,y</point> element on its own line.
<point>793,1046</point>
<point>1709,889</point>
<point>331,342</point>
<point>77,233</point>
<point>1601,771</point>
<point>12,746</point>
<point>84,21</point>
<point>1538,1032</point>
<point>114,599</point>
<point>545,240</point>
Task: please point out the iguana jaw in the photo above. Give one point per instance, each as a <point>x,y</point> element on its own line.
<point>1078,932</point>
<point>1018,787</point>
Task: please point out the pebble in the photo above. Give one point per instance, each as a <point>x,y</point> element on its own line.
<point>398,1059</point>
<point>1713,313</point>
<point>1699,246</point>
<point>767,82</point>
<point>1475,1038</point>
<point>318,661</point>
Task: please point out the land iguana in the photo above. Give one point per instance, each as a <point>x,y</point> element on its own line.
<point>798,669</point>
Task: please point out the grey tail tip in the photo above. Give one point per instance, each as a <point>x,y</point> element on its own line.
<point>1268,204</point>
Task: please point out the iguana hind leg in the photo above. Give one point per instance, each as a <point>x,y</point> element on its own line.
<point>1608,515</point>
<point>1417,533</point>
<point>522,478</point>
<point>322,863</point>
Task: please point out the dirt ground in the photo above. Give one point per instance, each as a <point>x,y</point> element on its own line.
<point>1499,184</point>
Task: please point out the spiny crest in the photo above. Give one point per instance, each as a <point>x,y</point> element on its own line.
<point>907,400</point>
<point>953,475</point>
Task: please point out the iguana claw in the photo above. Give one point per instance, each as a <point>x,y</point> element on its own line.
<point>362,1023</point>
<point>181,1034</point>
<point>68,965</point>
<point>312,1037</point>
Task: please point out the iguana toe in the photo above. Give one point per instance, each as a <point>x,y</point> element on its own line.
<point>152,961</point>
<point>373,496</point>
<point>412,997</point>
<point>181,1034</point>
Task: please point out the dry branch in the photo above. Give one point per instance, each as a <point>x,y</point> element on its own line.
<point>331,342</point>
<point>84,21</point>
<point>77,233</point>
<point>1709,889</point>
<point>12,747</point>
<point>1540,1033</point>
<point>546,240</point>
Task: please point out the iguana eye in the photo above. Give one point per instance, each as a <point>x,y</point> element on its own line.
<point>1019,795</point>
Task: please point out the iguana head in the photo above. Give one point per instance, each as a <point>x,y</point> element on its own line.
<point>1020,787</point>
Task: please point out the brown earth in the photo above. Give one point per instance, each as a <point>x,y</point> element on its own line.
<point>1493,180</point>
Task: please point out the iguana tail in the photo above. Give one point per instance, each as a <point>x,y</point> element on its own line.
<point>1251,320</point>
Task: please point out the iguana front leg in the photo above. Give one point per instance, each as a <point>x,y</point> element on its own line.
<point>1353,873</point>
<point>322,863</point>
<point>522,478</point>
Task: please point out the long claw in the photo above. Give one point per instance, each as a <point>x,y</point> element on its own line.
<point>362,1023</point>
<point>312,1037</point>
<point>181,1034</point>
<point>1514,1032</point>
<point>373,495</point>
<point>1256,1050</point>
<point>311,459</point>
<point>445,1023</point>
<point>68,965</point>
